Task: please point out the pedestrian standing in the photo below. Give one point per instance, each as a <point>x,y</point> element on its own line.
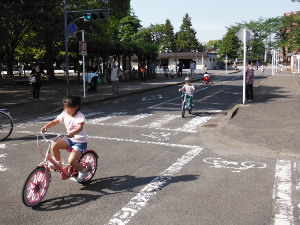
<point>180,68</point>
<point>262,70</point>
<point>193,68</point>
<point>115,78</point>
<point>36,80</point>
<point>249,81</point>
<point>143,73</point>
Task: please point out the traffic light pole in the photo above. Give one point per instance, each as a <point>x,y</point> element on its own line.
<point>66,47</point>
<point>67,37</point>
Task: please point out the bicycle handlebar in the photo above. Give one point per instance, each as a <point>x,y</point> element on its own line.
<point>51,141</point>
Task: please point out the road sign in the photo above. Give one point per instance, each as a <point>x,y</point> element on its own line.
<point>208,55</point>
<point>249,34</point>
<point>83,48</point>
<point>72,28</point>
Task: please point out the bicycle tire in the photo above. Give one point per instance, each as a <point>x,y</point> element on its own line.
<point>35,188</point>
<point>92,169</point>
<point>9,123</point>
<point>183,109</point>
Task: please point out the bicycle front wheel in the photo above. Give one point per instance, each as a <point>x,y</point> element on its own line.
<point>6,126</point>
<point>35,187</point>
<point>89,161</point>
<point>183,109</point>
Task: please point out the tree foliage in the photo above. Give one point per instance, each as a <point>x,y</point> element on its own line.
<point>186,40</point>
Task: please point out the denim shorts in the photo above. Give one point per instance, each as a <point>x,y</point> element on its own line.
<point>76,145</point>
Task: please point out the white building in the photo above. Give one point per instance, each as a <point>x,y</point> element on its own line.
<point>201,59</point>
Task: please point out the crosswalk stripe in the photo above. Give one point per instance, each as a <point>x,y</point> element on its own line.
<point>193,124</point>
<point>132,119</point>
<point>161,122</point>
<point>101,119</point>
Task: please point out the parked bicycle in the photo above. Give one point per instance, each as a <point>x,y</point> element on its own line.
<point>6,124</point>
<point>37,183</point>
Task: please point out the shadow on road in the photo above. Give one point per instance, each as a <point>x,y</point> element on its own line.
<point>105,187</point>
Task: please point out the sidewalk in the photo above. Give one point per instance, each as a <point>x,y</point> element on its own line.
<point>271,122</point>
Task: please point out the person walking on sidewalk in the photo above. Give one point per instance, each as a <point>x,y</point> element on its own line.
<point>143,73</point>
<point>249,81</point>
<point>115,78</point>
<point>36,80</point>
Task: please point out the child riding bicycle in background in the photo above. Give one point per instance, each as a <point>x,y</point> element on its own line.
<point>74,121</point>
<point>189,90</point>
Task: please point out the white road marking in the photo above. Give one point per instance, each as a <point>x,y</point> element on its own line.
<point>3,168</point>
<point>159,136</point>
<point>2,145</point>
<point>144,142</point>
<point>152,98</point>
<point>165,120</point>
<point>194,123</point>
<point>235,166</point>
<point>132,119</point>
<point>101,119</point>
<point>282,194</point>
<point>179,109</point>
<point>140,200</point>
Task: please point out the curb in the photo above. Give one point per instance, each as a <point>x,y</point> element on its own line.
<point>232,112</point>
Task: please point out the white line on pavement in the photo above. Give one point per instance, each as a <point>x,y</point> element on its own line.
<point>165,120</point>
<point>282,194</point>
<point>3,168</point>
<point>2,145</point>
<point>179,109</point>
<point>193,124</point>
<point>101,119</point>
<point>139,201</point>
<point>132,119</point>
<point>144,142</point>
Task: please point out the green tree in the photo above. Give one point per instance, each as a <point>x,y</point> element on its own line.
<point>186,38</point>
<point>230,44</point>
<point>129,26</point>
<point>168,37</point>
<point>213,45</point>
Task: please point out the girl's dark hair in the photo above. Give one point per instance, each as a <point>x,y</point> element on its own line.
<point>72,101</point>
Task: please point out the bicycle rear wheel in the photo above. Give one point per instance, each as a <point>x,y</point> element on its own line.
<point>35,187</point>
<point>89,160</point>
<point>6,126</point>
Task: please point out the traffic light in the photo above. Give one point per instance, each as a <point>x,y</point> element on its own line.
<point>96,16</point>
<point>88,17</point>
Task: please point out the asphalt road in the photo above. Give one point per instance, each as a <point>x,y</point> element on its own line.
<point>154,167</point>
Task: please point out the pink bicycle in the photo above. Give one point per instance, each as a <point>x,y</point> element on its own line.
<point>37,183</point>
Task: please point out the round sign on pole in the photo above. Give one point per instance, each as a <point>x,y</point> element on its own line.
<point>72,28</point>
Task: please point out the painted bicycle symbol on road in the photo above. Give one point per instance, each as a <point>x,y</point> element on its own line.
<point>235,167</point>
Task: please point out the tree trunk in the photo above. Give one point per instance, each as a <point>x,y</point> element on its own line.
<point>10,64</point>
<point>50,60</point>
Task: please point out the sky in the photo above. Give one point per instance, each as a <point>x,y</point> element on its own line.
<point>209,17</point>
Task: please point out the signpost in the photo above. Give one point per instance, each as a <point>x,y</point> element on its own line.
<point>83,52</point>
<point>245,35</point>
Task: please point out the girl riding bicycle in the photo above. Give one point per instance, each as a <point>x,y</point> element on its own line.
<point>189,90</point>
<point>74,121</point>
